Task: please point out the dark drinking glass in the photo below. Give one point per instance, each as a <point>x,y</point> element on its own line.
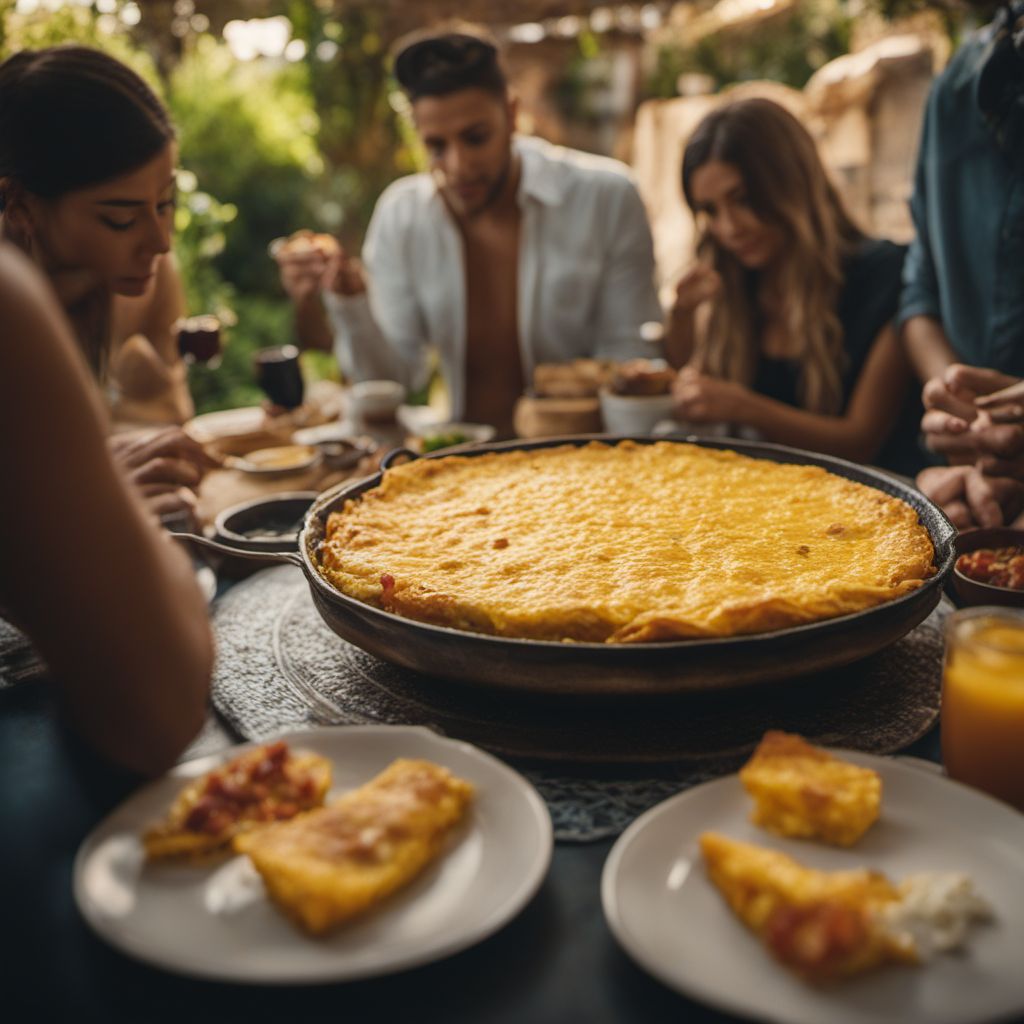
<point>279,375</point>
<point>199,339</point>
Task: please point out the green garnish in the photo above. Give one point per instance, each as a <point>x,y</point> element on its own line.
<point>433,442</point>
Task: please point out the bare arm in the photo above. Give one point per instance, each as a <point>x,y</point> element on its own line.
<point>857,434</point>
<point>110,602</point>
<point>698,285</point>
<point>302,276</point>
<point>377,318</point>
<point>927,347</point>
<point>147,363</point>
<point>311,326</point>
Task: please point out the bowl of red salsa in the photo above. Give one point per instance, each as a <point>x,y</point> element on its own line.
<point>989,568</point>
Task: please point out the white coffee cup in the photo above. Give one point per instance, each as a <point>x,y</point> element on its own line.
<point>376,401</point>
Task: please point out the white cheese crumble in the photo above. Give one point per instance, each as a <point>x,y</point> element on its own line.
<point>935,911</point>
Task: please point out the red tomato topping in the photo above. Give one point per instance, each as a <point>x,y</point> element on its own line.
<point>1000,567</point>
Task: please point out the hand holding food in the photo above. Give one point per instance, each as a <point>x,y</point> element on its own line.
<point>703,399</point>
<point>303,259</point>
<point>642,377</point>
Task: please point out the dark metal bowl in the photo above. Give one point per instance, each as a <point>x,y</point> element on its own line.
<point>678,667</point>
<point>973,592</point>
<point>269,524</point>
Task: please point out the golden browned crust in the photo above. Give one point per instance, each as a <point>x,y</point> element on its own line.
<point>623,543</point>
<point>802,791</point>
<point>333,863</point>
<point>824,925</point>
<point>262,785</point>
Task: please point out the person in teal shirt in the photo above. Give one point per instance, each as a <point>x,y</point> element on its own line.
<point>962,308</point>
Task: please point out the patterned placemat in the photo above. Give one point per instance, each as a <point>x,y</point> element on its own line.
<point>598,763</point>
<point>19,661</point>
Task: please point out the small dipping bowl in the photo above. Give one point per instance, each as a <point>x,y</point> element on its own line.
<point>338,448</point>
<point>265,524</point>
<point>288,458</point>
<point>974,592</point>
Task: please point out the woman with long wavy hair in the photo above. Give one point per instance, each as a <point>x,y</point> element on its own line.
<point>784,325</point>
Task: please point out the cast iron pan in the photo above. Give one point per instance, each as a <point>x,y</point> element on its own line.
<point>540,667</point>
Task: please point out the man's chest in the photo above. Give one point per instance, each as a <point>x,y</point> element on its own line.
<point>491,269</point>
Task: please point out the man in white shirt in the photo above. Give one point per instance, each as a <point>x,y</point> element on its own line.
<point>509,252</point>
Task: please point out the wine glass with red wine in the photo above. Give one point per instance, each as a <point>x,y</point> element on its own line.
<point>199,340</point>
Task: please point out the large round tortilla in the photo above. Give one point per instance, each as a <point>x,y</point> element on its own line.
<point>623,543</point>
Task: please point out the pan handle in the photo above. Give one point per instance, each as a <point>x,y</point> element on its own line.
<point>270,557</point>
<point>405,454</point>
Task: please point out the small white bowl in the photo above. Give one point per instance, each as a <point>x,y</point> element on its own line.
<point>375,401</point>
<point>633,414</point>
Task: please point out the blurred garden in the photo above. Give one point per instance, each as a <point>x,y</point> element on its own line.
<point>287,116</point>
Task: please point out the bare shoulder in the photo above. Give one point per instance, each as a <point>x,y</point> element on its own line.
<point>39,337</point>
<point>20,285</point>
<point>28,308</point>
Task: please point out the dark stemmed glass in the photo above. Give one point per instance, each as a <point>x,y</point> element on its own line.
<point>199,340</point>
<point>279,375</point>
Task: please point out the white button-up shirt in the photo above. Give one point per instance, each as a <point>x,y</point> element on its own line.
<point>586,274</point>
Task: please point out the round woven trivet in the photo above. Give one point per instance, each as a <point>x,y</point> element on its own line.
<point>19,661</point>
<point>598,763</point>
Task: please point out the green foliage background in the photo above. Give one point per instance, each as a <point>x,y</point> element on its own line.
<point>265,147</point>
<point>271,146</point>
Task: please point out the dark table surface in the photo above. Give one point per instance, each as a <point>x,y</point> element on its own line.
<point>557,961</point>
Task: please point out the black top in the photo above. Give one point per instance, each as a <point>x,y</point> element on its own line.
<point>868,302</point>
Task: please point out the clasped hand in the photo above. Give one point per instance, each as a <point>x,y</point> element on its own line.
<point>984,442</point>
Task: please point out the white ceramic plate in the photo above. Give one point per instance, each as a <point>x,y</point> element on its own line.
<point>336,431</point>
<point>227,423</point>
<point>418,419</point>
<point>216,922</point>
<point>260,462</point>
<point>668,916</point>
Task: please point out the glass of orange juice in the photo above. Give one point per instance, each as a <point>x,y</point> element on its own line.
<point>983,701</point>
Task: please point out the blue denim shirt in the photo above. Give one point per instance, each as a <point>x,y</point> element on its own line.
<point>966,266</point>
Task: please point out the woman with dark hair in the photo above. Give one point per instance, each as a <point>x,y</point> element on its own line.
<point>87,191</point>
<point>784,326</point>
